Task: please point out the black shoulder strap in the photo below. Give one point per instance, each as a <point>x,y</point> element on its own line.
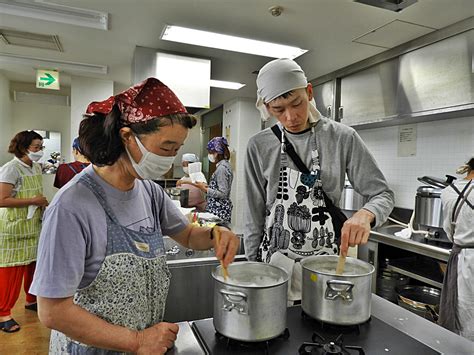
<point>290,150</point>
<point>460,197</point>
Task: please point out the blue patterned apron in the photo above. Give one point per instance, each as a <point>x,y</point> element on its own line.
<point>131,286</point>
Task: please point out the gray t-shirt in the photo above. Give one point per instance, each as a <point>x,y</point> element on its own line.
<point>74,235</point>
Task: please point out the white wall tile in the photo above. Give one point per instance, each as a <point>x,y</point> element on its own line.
<point>442,146</point>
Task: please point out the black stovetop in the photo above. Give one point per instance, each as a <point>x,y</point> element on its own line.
<point>375,337</point>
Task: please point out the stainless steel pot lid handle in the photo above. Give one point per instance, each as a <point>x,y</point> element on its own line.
<point>234,300</point>
<point>339,289</point>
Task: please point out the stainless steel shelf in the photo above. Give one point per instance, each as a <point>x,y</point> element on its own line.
<point>415,276</point>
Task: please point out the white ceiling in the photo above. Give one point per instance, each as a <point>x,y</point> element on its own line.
<point>325,27</point>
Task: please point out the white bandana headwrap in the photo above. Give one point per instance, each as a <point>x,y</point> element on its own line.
<point>190,157</point>
<point>277,78</point>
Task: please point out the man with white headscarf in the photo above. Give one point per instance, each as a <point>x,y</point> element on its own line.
<point>295,174</point>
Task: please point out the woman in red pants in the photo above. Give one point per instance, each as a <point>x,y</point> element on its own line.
<point>21,190</point>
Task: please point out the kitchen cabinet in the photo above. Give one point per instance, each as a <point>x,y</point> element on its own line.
<point>426,79</point>
<point>323,96</point>
<point>369,253</point>
<point>370,95</point>
<point>437,77</point>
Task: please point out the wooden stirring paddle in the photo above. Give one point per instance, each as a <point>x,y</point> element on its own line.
<point>340,264</point>
<point>217,235</point>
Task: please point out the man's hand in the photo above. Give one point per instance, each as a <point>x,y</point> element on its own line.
<point>157,339</point>
<point>227,247</point>
<point>356,230</point>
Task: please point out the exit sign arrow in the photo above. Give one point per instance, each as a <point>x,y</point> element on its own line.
<point>49,79</point>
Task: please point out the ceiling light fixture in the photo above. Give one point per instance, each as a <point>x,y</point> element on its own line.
<point>230,43</point>
<point>226,84</point>
<point>43,10</point>
<point>37,63</point>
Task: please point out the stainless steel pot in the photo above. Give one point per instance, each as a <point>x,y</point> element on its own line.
<point>350,199</point>
<point>251,304</point>
<point>428,207</point>
<point>337,299</point>
<point>179,194</point>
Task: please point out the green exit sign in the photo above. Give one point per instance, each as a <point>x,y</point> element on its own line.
<point>47,79</point>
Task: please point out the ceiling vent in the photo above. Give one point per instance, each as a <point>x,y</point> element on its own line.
<point>38,98</point>
<point>31,40</point>
<point>392,5</point>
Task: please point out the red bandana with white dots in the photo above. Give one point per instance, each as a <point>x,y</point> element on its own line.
<point>142,102</point>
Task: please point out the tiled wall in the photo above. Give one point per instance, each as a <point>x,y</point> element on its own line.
<point>441,147</point>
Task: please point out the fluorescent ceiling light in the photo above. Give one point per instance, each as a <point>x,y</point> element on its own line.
<point>42,63</point>
<point>226,84</point>
<point>230,43</point>
<point>43,10</point>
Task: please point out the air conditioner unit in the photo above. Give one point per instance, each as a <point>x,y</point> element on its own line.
<point>37,98</point>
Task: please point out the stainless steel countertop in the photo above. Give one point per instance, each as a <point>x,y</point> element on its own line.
<point>385,234</point>
<point>401,319</point>
<point>421,329</point>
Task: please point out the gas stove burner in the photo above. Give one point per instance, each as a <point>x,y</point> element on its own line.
<point>334,328</point>
<point>258,345</point>
<point>320,346</point>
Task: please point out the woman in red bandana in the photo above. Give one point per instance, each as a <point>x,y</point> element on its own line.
<point>101,276</point>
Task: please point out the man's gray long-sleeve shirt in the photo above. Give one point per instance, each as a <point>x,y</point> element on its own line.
<point>341,151</point>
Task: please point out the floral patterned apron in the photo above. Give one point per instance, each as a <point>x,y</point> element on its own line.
<point>131,286</point>
<point>299,223</point>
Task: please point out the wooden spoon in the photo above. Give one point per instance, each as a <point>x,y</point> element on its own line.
<point>217,235</point>
<point>340,264</point>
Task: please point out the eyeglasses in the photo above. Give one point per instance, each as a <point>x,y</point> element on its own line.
<point>40,147</point>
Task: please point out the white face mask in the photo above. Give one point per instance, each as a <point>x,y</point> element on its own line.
<point>151,166</point>
<point>35,156</point>
<point>186,170</point>
<point>212,158</point>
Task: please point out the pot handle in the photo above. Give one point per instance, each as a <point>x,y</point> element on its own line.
<point>234,300</point>
<point>344,292</point>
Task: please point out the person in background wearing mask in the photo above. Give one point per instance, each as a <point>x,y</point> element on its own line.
<point>218,191</point>
<point>21,186</point>
<point>102,278</point>
<point>457,296</point>
<point>196,196</point>
<point>67,171</point>
<point>292,195</point>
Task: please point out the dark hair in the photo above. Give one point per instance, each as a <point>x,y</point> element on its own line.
<point>100,140</point>
<point>286,94</point>
<point>20,143</point>
<point>225,156</point>
<point>471,163</point>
